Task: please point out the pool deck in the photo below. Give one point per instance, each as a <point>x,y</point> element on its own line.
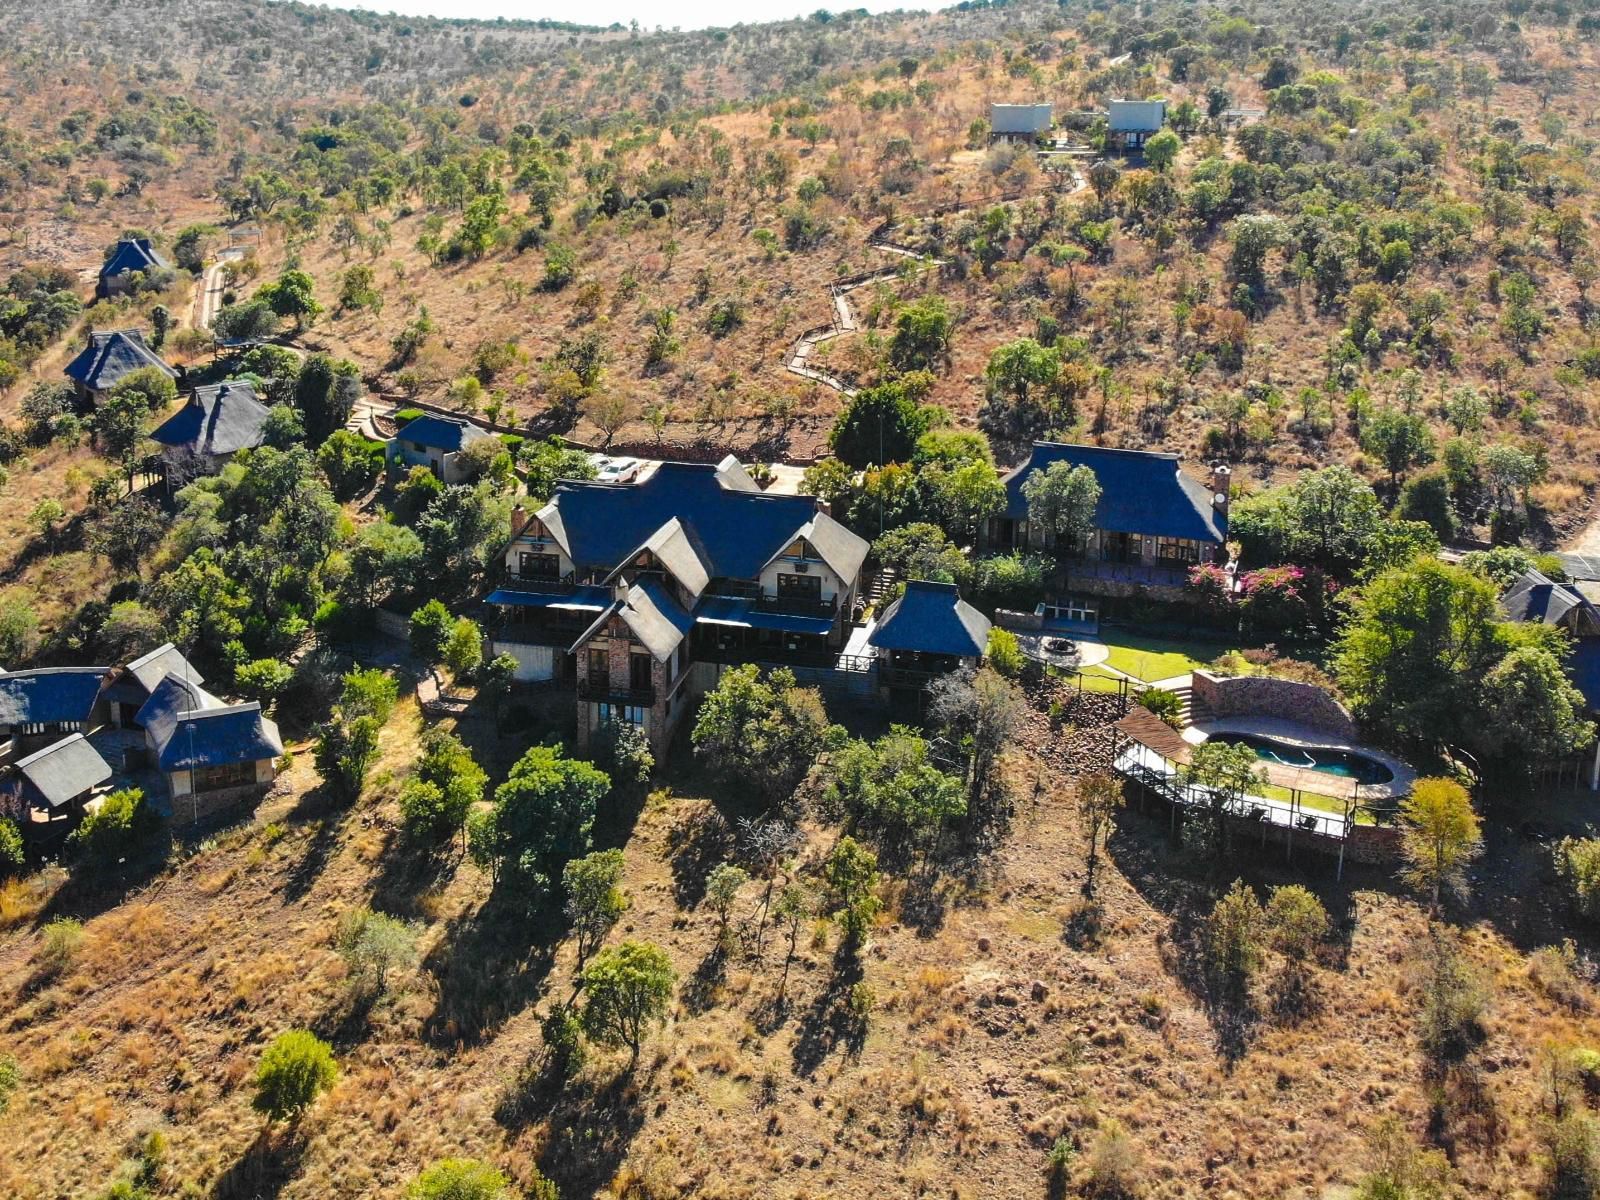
<point>1304,737</point>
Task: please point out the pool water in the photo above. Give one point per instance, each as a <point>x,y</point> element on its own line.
<point>1330,762</point>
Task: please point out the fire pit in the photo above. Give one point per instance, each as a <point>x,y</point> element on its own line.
<point>1053,651</point>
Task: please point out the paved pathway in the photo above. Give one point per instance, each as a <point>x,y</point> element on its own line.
<point>208,297</point>
<point>842,320</point>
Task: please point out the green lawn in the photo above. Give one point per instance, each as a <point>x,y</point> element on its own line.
<point>1149,658</point>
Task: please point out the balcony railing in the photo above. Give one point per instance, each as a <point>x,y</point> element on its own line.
<point>547,584</point>
<point>602,691</point>
<point>797,606</point>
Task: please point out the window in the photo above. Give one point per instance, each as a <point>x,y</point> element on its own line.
<point>631,713</point>
<point>599,668</point>
<point>800,587</point>
<point>639,672</point>
<point>1176,550</point>
<point>210,779</point>
<point>538,566</point>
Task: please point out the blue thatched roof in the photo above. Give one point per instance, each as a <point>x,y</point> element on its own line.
<point>932,618</point>
<point>1140,492</point>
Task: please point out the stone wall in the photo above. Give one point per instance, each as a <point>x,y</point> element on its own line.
<point>1263,696</point>
<point>1022,622</point>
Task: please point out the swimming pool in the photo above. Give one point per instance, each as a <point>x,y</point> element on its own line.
<point>1344,763</point>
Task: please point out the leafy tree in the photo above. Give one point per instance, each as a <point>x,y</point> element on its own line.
<point>1400,440</point>
<point>978,712</point>
<point>722,889</point>
<point>463,650</point>
<point>347,459</point>
<point>345,750</point>
<point>370,692</point>
<point>795,905</point>
<point>1400,1170</point>
<point>112,831</point>
<point>1577,864</point>
<point>19,627</point>
<point>13,856</point>
<point>126,533</point>
<point>763,732</point>
<point>851,872</point>
<point>372,945</point>
<point>292,294</point>
<point>883,424</point>
<point>922,551</point>
<point>1533,710</point>
<point>1426,498</point>
<point>1226,772</point>
<point>542,817</point>
<point>890,786</point>
<point>595,900</point>
<point>628,987</point>
<point>1296,922</point>
<point>1417,646</point>
<point>459,1179</point>
<point>1161,150</point>
<point>1440,836</point>
<point>921,338</point>
<point>547,463</point>
<point>296,1068</point>
<point>251,321</point>
<point>1233,936</point>
<point>263,680</point>
<point>323,398</point>
<point>385,558</point>
<point>431,629</point>
<point>622,750</point>
<point>1061,503</point>
<point>1098,797</point>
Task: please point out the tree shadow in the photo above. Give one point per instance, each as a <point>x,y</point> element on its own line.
<point>484,972</point>
<point>407,872</point>
<point>324,825</point>
<point>829,1024</point>
<point>94,888</point>
<point>592,1124</point>
<point>264,1169</point>
<point>699,990</point>
<point>697,844</point>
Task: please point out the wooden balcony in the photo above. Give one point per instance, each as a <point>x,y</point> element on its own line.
<point>601,691</point>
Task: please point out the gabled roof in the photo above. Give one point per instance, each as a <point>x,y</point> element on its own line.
<point>110,355</point>
<point>440,433</point>
<point>189,727</point>
<point>1136,116</point>
<point>734,477</point>
<point>150,669</point>
<point>132,254</point>
<point>835,545</point>
<point>735,532</point>
<point>1535,597</point>
<point>673,547</point>
<point>933,618</point>
<point>655,618</point>
<point>218,419</point>
<point>1140,492</point>
<point>64,770</point>
<point>50,695</point>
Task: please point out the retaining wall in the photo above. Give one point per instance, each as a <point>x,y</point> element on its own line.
<point>1263,696</point>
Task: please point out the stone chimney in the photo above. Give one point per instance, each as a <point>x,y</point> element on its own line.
<point>519,519</point>
<point>1221,482</point>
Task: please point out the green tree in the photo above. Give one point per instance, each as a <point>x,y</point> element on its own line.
<point>964,496</point>
<point>348,461</point>
<point>463,650</point>
<point>1061,502</point>
<point>1399,1170</point>
<point>431,629</point>
<point>1233,935</point>
<point>296,1068</point>
<point>1097,798</point>
<point>595,899</point>
<point>547,463</point>
<point>762,732</point>
<point>324,393</point>
<point>10,1080</point>
<point>1225,774</point>
<point>542,817</point>
<point>373,944</point>
<point>385,558</point>
<point>851,872</point>
<point>1426,498</point>
<point>344,752</point>
<point>882,424</point>
<point>459,1179</point>
<point>921,338</point>
<point>1400,440</point>
<point>1440,836</point>
<point>370,692</point>
<point>1161,150</point>
<point>13,855</point>
<point>263,680</point>
<point>112,831</point>
<point>1533,711</point>
<point>628,988</point>
<point>292,294</point>
<point>722,889</point>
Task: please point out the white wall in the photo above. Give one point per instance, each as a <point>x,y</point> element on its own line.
<point>535,664</point>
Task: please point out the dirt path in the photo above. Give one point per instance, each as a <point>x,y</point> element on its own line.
<point>842,319</point>
<point>208,295</point>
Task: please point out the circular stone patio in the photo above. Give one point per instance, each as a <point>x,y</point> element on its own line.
<point>1088,653</point>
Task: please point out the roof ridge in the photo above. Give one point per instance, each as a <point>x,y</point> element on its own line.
<point>50,749</point>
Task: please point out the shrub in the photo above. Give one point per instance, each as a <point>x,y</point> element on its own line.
<point>1572,1156</point>
<point>563,1041</point>
<point>1232,938</point>
<point>13,857</point>
<point>1005,655</point>
<point>111,831</point>
<point>59,945</point>
<point>295,1069</point>
<point>1163,703</point>
<point>10,1078</point>
<point>1113,1163</point>
<point>1577,862</point>
<point>372,944</point>
<point>458,1179</point>
<point>622,750</point>
<point>1557,972</point>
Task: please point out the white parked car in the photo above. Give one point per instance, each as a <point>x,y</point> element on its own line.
<point>615,470</point>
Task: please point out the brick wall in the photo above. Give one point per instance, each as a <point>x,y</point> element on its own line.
<point>1261,696</point>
